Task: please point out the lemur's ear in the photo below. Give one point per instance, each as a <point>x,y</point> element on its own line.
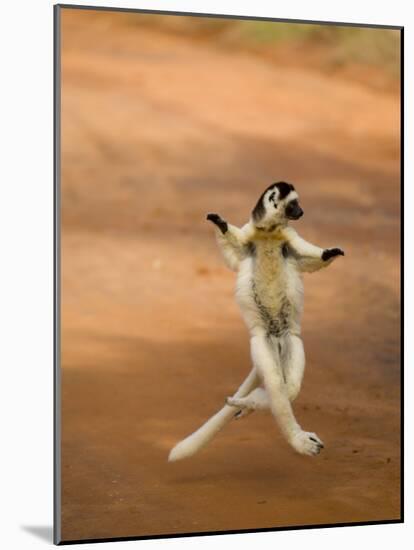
<point>259,210</point>
<point>284,189</point>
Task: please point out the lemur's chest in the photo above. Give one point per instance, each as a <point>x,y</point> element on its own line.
<point>268,270</point>
<point>269,262</point>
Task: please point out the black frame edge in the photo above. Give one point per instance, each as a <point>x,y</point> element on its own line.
<point>229,16</point>
<point>402,318</point>
<point>233,532</point>
<point>56,277</point>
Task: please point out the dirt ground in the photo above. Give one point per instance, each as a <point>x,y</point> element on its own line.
<point>157,130</point>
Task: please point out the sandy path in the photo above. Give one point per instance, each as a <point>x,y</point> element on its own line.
<point>158,130</point>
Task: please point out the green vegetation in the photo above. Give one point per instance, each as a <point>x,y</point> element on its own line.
<point>360,44</point>
<point>345,44</point>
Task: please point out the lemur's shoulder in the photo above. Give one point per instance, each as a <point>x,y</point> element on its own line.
<point>248,232</point>
<point>288,233</point>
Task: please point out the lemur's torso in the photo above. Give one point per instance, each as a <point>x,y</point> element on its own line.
<point>269,286</point>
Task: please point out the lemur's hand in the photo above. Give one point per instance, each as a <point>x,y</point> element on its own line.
<point>329,253</point>
<point>221,224</point>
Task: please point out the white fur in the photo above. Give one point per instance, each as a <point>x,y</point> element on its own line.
<point>269,290</point>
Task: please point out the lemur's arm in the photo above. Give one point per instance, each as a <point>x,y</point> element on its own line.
<point>309,257</point>
<point>231,240</point>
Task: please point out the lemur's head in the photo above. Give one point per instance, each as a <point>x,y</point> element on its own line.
<point>277,204</point>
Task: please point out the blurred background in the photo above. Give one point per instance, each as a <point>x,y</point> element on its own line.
<point>166,118</point>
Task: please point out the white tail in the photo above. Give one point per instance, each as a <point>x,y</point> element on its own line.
<point>198,439</point>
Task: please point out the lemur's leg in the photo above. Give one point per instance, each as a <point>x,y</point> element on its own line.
<point>266,359</point>
<point>293,359</point>
<point>231,241</point>
<point>245,409</point>
<point>309,257</point>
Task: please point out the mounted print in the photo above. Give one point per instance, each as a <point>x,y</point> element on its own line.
<point>228,274</point>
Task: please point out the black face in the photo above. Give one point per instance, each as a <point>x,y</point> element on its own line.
<point>293,211</point>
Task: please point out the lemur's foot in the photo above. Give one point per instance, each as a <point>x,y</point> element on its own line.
<point>240,404</point>
<point>329,253</point>
<point>217,220</point>
<point>306,443</point>
<point>242,413</point>
<point>235,402</point>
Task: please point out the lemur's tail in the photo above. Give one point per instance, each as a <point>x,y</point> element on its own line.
<point>197,440</point>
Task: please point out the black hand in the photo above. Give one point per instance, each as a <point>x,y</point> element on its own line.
<point>329,253</point>
<point>221,224</point>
